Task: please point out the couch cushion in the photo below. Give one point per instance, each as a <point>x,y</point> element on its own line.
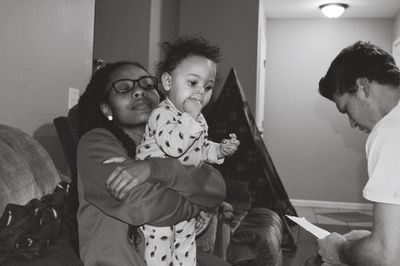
<point>207,259</point>
<point>26,169</point>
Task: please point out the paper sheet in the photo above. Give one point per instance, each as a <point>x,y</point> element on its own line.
<point>313,229</point>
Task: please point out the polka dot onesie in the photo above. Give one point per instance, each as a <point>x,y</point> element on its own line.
<point>174,134</point>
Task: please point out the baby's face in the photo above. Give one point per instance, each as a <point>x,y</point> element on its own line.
<point>193,79</point>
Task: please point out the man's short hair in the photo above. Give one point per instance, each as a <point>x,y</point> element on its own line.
<point>360,60</point>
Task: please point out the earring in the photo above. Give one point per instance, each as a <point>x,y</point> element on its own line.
<point>109,117</point>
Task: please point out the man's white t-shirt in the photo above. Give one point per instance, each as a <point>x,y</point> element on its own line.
<point>383,155</point>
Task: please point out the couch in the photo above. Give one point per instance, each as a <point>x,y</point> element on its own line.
<point>27,172</point>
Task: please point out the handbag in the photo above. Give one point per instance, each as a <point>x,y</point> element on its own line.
<point>26,230</point>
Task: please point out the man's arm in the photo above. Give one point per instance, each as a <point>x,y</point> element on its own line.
<point>382,247</point>
<point>358,248</point>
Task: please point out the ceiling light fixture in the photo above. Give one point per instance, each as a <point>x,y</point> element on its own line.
<point>333,10</point>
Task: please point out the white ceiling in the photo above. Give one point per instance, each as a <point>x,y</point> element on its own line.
<point>309,8</point>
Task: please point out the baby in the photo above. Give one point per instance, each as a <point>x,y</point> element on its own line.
<point>177,129</point>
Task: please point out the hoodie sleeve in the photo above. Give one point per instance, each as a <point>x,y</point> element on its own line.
<point>174,192</point>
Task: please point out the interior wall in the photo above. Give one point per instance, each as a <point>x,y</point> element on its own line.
<point>46,47</point>
<point>233,25</point>
<point>396,25</point>
<point>122,30</point>
<point>261,67</point>
<point>133,29</point>
<point>164,26</point>
<point>317,154</point>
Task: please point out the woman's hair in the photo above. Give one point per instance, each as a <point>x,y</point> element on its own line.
<point>362,59</point>
<point>97,92</point>
<point>184,47</point>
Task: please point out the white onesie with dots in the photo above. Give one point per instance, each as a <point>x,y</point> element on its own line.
<point>170,133</point>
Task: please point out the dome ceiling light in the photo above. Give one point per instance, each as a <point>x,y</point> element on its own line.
<point>333,10</point>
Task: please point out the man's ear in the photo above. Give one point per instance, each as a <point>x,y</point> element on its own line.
<point>166,81</point>
<point>105,109</point>
<point>363,83</point>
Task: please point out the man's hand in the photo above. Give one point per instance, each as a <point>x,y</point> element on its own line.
<point>202,222</point>
<point>330,248</point>
<point>356,235</point>
<point>192,107</point>
<point>126,176</point>
<point>339,264</point>
<point>228,147</point>
<point>350,237</point>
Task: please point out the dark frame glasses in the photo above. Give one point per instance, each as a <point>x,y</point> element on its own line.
<point>128,85</point>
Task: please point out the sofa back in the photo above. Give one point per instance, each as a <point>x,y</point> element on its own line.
<point>26,169</point>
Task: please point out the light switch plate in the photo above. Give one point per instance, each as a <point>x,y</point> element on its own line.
<point>73,97</point>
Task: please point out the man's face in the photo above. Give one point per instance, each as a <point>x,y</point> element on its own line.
<point>361,111</point>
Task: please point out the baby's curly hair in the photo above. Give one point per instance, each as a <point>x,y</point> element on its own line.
<point>184,47</point>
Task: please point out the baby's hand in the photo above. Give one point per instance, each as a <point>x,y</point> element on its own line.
<point>228,147</point>
<point>192,107</point>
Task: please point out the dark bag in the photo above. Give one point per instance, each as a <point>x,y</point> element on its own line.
<point>25,231</point>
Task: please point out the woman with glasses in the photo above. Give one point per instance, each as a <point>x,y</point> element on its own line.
<point>113,112</point>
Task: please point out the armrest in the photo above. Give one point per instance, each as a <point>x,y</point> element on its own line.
<point>261,231</point>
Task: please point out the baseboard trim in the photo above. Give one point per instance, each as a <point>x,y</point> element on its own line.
<point>331,204</point>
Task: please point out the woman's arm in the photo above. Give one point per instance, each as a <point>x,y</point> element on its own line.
<point>203,185</point>
<point>150,203</point>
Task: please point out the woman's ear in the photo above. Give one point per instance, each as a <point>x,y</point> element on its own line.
<point>105,109</point>
<point>363,84</point>
<point>166,81</point>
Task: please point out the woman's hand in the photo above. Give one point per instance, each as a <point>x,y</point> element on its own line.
<point>126,176</point>
<point>225,211</point>
<point>202,222</point>
<point>337,264</point>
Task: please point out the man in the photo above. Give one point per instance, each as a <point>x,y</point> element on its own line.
<point>364,83</point>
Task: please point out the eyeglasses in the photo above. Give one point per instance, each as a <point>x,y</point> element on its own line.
<point>127,85</point>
